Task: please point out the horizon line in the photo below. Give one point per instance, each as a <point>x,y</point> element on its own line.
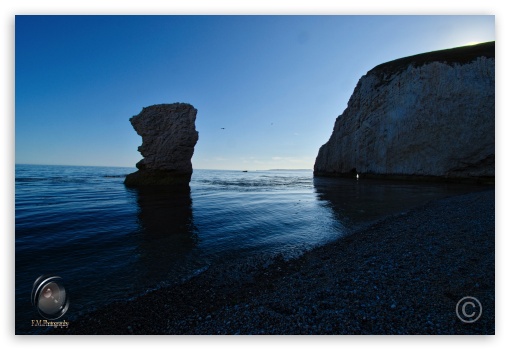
<point>134,167</point>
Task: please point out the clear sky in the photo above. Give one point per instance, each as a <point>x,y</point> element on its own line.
<point>274,83</point>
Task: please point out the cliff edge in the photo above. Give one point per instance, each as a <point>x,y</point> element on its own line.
<point>425,116</point>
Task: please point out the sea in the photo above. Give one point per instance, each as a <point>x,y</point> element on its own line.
<point>108,242</point>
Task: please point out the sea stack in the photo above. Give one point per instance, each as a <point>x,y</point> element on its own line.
<point>168,142</point>
<point>429,116</point>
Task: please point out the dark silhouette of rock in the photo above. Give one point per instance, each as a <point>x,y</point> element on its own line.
<point>426,116</point>
<point>168,141</point>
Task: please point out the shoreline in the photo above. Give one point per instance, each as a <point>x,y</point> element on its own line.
<point>401,275</point>
<point>475,180</point>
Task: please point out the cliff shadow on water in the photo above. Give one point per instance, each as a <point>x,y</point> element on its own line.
<point>359,202</point>
<point>168,235</point>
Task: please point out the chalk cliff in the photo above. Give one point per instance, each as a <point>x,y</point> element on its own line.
<point>429,115</point>
<point>168,140</point>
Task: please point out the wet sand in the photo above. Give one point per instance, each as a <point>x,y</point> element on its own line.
<point>402,275</point>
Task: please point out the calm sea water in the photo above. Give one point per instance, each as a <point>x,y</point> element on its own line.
<point>111,243</point>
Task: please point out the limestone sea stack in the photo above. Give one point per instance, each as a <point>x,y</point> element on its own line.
<point>168,141</point>
<point>426,116</point>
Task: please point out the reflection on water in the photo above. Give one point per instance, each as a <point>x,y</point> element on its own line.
<point>167,233</point>
<point>262,213</point>
<point>356,202</point>
<point>165,211</point>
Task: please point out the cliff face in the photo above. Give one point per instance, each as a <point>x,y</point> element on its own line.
<point>426,115</point>
<point>168,141</point>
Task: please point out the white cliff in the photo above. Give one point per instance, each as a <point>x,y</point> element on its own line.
<point>426,115</point>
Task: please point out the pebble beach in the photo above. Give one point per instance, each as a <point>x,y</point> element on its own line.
<point>405,274</point>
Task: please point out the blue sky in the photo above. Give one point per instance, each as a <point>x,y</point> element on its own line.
<point>275,83</point>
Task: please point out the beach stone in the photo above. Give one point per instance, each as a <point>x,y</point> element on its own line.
<point>168,141</point>
<point>429,115</point>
